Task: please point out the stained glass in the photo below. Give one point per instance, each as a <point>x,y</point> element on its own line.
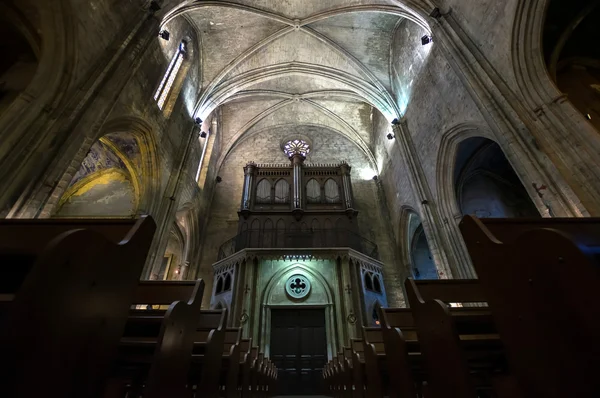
<point>296,147</point>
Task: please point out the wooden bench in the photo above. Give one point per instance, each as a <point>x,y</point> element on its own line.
<point>207,358</point>
<point>403,353</point>
<point>462,354</point>
<point>376,371</point>
<point>541,275</point>
<point>66,288</point>
<point>156,347</point>
<point>231,362</point>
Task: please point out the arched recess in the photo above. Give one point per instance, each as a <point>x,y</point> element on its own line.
<point>120,167</point>
<point>52,41</point>
<point>485,183</point>
<point>322,295</point>
<point>187,220</point>
<point>414,247</point>
<point>173,257</point>
<point>20,46</point>
<point>446,192</point>
<point>571,53</point>
<point>551,117</point>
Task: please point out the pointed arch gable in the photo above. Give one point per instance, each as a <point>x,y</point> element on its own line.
<point>282,191</point>
<point>263,191</point>
<point>313,191</point>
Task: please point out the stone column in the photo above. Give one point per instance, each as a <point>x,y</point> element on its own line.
<point>429,213</point>
<point>249,171</point>
<point>297,160</point>
<point>347,186</point>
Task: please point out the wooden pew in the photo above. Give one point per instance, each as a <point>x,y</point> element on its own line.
<point>207,358</point>
<point>403,353</point>
<point>358,367</point>
<point>375,362</point>
<point>231,362</point>
<point>156,347</point>
<point>66,288</point>
<point>248,354</point>
<point>461,350</point>
<point>250,373</point>
<point>541,278</point>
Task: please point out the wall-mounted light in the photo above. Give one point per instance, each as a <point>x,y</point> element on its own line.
<point>203,134</point>
<point>395,122</point>
<point>375,178</point>
<point>198,121</point>
<point>391,136</point>
<point>425,40</point>
<point>219,179</point>
<point>425,202</point>
<point>589,116</point>
<point>164,34</point>
<point>436,13</point>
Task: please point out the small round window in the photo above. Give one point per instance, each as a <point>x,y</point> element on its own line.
<point>297,286</point>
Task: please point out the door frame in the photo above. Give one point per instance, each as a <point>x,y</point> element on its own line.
<point>265,335</point>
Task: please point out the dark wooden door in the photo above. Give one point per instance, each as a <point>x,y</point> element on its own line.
<point>299,350</point>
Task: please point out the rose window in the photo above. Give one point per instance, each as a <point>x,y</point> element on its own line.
<point>296,147</point>
<point>297,286</point>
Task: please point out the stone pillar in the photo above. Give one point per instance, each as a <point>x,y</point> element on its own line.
<point>297,160</point>
<point>249,171</point>
<point>347,186</point>
<point>429,214</point>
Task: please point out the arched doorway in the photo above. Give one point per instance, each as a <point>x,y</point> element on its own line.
<point>572,55</point>
<point>485,183</point>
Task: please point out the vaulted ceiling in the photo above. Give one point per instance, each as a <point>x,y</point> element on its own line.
<point>298,62</point>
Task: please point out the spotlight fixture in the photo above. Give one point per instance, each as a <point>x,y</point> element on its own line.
<point>154,6</point>
<point>395,122</point>
<point>164,34</point>
<point>391,136</point>
<point>219,179</point>
<point>203,134</point>
<point>198,121</point>
<point>425,40</point>
<point>425,202</point>
<point>375,178</point>
<point>436,13</point>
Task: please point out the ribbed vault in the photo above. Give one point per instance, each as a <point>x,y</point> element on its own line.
<point>299,62</point>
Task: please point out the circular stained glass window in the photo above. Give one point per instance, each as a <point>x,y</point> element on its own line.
<point>294,147</point>
<point>297,286</point>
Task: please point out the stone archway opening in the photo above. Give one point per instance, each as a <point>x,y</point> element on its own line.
<point>485,183</point>
<point>423,265</point>
<point>572,55</point>
<point>115,179</point>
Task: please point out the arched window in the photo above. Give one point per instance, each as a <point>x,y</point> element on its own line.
<point>313,191</point>
<point>332,192</point>
<point>263,191</point>
<point>164,88</point>
<point>376,284</point>
<point>375,314</point>
<point>282,192</point>
<point>368,281</point>
<point>227,284</point>
<point>219,288</point>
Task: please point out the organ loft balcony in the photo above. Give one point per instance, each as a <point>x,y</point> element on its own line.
<point>294,206</point>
